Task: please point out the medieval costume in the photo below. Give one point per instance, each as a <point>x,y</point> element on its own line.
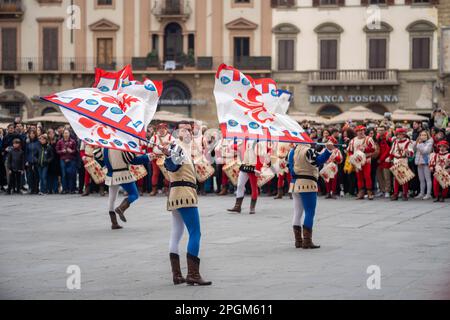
<point>282,151</point>
<point>119,175</point>
<point>401,150</point>
<point>252,154</point>
<point>336,159</point>
<point>182,202</point>
<point>87,155</point>
<point>224,153</point>
<point>162,138</point>
<point>440,161</point>
<point>304,162</point>
<point>366,145</point>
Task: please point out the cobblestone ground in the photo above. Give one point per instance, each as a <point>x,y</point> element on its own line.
<point>247,257</point>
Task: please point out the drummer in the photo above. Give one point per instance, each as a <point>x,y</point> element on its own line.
<point>442,160</point>
<point>401,150</point>
<point>162,138</point>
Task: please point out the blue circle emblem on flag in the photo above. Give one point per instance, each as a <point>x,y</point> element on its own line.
<point>104,89</point>
<point>150,87</point>
<point>233,123</point>
<point>118,143</point>
<point>88,140</point>
<point>92,102</point>
<point>294,133</point>
<point>245,82</point>
<point>225,80</point>
<point>274,92</point>
<point>132,144</point>
<point>254,125</point>
<point>103,141</point>
<point>116,110</point>
<point>126,84</point>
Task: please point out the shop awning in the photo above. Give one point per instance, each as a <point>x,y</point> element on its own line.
<point>403,115</point>
<point>313,118</point>
<point>357,114</point>
<point>54,117</point>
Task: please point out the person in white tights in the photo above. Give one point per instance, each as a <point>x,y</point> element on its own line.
<point>423,147</point>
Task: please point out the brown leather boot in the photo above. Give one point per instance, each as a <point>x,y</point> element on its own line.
<point>370,195</point>
<point>154,191</point>
<point>253,206</point>
<point>193,277</point>
<point>280,194</point>
<point>298,237</point>
<point>223,191</point>
<point>87,191</point>
<point>238,206</point>
<point>120,210</point>
<point>394,197</point>
<point>101,190</point>
<point>176,269</point>
<point>360,195</point>
<point>307,239</point>
<point>114,224</point>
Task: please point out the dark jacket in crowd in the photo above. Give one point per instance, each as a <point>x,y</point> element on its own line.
<point>16,160</point>
<point>32,151</point>
<point>45,156</point>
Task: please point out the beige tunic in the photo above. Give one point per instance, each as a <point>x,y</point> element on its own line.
<point>303,167</point>
<point>182,197</point>
<point>120,163</point>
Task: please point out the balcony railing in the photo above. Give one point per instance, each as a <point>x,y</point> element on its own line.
<point>11,9</point>
<point>353,77</point>
<point>88,65</point>
<point>172,9</point>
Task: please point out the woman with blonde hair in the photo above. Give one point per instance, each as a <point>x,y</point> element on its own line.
<point>423,147</point>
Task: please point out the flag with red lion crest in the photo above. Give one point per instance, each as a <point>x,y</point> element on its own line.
<point>254,109</point>
<point>115,113</point>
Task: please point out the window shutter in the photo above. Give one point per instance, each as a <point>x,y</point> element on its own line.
<point>316,3</point>
<point>341,3</point>
<point>390,2</point>
<point>274,3</point>
<point>408,1</point>
<point>364,2</point>
<point>50,48</point>
<point>290,3</point>
<point>9,49</point>
<point>425,54</point>
<point>434,1</point>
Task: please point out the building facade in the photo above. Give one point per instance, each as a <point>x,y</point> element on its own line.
<point>338,54</point>
<point>54,45</point>
<point>332,54</point>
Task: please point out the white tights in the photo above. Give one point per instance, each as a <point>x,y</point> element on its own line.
<point>113,192</point>
<point>177,232</point>
<point>298,210</point>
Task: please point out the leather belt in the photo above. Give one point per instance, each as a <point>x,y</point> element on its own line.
<point>183,184</point>
<point>305,177</point>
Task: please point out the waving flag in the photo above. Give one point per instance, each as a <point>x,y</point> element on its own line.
<point>254,108</point>
<point>115,114</point>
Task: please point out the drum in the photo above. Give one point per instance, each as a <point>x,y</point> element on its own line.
<point>358,159</point>
<point>402,172</point>
<point>329,171</point>
<point>204,170</point>
<point>97,173</point>
<point>443,177</point>
<point>265,177</point>
<point>231,169</point>
<point>160,163</point>
<point>139,172</point>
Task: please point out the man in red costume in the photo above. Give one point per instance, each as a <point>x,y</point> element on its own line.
<point>162,138</point>
<point>366,145</point>
<point>440,160</point>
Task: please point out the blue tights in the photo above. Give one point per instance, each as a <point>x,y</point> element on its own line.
<point>306,202</point>
<point>190,218</point>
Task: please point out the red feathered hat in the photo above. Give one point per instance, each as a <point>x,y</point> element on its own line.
<point>360,128</point>
<point>400,131</point>
<point>332,139</point>
<point>443,143</point>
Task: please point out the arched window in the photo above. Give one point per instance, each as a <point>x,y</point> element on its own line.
<point>377,108</point>
<point>173,41</point>
<point>176,97</point>
<point>49,110</point>
<point>329,111</point>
